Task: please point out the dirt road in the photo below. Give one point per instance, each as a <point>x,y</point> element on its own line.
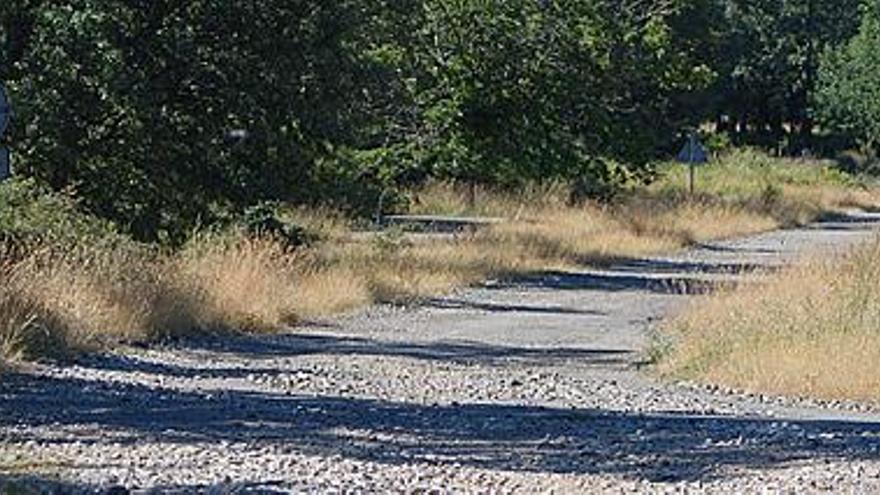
<point>523,387</point>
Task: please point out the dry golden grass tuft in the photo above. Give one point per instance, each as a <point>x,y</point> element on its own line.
<point>811,330</point>
<point>241,282</point>
<point>53,301</point>
<point>27,328</point>
<point>324,287</point>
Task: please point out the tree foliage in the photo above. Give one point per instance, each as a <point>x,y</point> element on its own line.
<point>768,60</point>
<point>133,102</point>
<point>510,90</point>
<point>138,105</point>
<point>849,92</point>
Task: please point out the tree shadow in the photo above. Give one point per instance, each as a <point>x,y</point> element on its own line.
<point>613,281</point>
<point>661,447</point>
<point>458,304</point>
<point>720,248</point>
<point>836,221</point>
<point>255,349</point>
<point>21,484</point>
<point>871,218</point>
<point>15,484</point>
<point>648,265</point>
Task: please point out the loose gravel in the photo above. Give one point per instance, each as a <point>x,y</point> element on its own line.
<point>530,386</point>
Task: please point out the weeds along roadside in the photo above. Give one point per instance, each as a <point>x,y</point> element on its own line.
<point>87,292</point>
<point>811,331</point>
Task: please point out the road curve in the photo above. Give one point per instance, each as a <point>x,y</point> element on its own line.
<point>513,387</point>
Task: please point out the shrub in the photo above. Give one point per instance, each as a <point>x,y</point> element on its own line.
<point>30,214</point>
<point>263,219</point>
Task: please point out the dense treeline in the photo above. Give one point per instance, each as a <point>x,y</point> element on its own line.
<point>163,115</point>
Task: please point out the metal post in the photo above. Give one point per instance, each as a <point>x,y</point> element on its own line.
<point>379,217</point>
<point>5,112</point>
<point>691,182</point>
<point>691,150</point>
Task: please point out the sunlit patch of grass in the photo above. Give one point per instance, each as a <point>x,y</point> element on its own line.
<point>242,282</point>
<point>809,331</point>
<point>322,291</point>
<point>790,191</point>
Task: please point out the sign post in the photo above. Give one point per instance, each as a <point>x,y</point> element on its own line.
<point>693,154</point>
<point>5,164</point>
<point>5,113</point>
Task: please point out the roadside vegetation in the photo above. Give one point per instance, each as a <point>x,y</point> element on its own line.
<point>206,167</point>
<point>809,331</point>
<point>73,283</point>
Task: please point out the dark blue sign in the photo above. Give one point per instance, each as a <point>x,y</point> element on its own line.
<point>693,152</point>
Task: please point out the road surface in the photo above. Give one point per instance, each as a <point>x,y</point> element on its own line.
<point>535,385</point>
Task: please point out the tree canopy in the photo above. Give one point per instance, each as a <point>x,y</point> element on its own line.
<point>848,98</point>
<point>164,115</point>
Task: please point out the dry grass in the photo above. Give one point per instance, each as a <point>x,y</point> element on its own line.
<point>396,269</point>
<point>810,331</point>
<point>27,328</point>
<point>53,301</point>
<point>92,296</point>
<point>743,193</point>
<point>243,283</point>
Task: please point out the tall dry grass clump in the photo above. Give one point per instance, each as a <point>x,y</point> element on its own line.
<point>27,327</point>
<point>242,282</point>
<point>812,330</point>
<point>54,300</point>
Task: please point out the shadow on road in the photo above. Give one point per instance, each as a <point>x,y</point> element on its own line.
<point>657,447</point>
<point>648,265</point>
<point>458,304</point>
<point>612,281</point>
<point>13,484</point>
<point>257,348</point>
<point>720,248</point>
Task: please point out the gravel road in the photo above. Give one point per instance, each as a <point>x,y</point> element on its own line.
<point>514,387</point>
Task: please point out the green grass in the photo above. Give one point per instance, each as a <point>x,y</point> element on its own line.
<point>743,174</point>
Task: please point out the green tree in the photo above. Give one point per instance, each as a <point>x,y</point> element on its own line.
<point>132,102</point>
<point>770,59</point>
<point>509,91</point>
<point>848,98</point>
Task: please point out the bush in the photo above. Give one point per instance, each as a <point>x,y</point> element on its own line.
<point>264,219</point>
<point>31,214</point>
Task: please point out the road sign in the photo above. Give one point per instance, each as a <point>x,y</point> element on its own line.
<point>5,164</point>
<point>693,151</point>
<point>5,110</point>
<point>693,154</point>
